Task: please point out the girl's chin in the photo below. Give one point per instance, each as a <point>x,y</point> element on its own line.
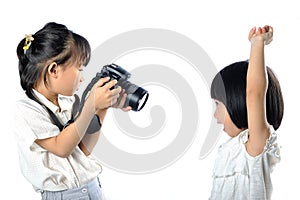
<point>68,94</point>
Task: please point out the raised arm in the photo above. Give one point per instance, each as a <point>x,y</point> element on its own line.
<point>257,84</point>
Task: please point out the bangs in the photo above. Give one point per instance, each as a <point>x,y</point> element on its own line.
<point>217,90</point>
<point>82,50</point>
<point>77,50</point>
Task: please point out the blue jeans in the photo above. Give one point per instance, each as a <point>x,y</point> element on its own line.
<point>89,191</point>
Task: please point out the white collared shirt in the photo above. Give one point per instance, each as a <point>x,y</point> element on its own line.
<point>43,169</point>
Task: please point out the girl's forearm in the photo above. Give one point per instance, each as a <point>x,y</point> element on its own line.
<point>89,141</point>
<point>101,114</point>
<point>257,75</point>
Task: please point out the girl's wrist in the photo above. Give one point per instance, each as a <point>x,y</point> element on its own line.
<point>257,39</point>
<point>101,114</point>
<point>266,38</point>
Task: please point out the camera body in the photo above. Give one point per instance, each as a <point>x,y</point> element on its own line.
<point>136,96</point>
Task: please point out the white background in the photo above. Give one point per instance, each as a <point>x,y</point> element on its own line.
<point>219,27</point>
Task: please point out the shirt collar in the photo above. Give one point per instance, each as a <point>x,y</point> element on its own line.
<point>65,102</point>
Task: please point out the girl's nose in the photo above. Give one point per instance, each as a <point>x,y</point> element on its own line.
<point>215,114</point>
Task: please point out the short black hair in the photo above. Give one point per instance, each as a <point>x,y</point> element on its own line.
<point>229,87</point>
<point>55,43</point>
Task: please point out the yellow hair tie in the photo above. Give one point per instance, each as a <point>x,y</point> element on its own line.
<point>28,41</point>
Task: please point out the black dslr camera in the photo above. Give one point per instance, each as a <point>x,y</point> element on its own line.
<point>136,96</point>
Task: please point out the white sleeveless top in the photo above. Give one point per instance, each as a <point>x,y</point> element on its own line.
<point>239,176</point>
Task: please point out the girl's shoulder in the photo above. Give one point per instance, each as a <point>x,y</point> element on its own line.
<point>271,142</point>
<point>25,104</point>
<point>270,155</point>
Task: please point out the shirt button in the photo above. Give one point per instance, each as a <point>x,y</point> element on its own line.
<point>84,190</point>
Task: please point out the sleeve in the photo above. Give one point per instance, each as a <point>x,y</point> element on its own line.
<point>32,122</point>
<point>272,149</point>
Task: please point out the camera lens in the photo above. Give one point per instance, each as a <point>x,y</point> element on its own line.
<point>136,96</point>
<point>142,101</point>
<point>138,99</point>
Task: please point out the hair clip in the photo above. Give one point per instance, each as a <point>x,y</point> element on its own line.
<point>28,41</point>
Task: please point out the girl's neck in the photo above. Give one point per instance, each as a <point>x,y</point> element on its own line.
<point>234,131</point>
<point>51,96</point>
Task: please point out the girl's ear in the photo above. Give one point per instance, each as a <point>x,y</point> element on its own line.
<point>53,69</point>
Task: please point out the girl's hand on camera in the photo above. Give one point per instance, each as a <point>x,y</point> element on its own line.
<point>104,96</point>
<point>121,102</point>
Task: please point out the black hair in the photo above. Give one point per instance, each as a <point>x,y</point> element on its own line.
<point>229,87</point>
<point>53,43</point>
